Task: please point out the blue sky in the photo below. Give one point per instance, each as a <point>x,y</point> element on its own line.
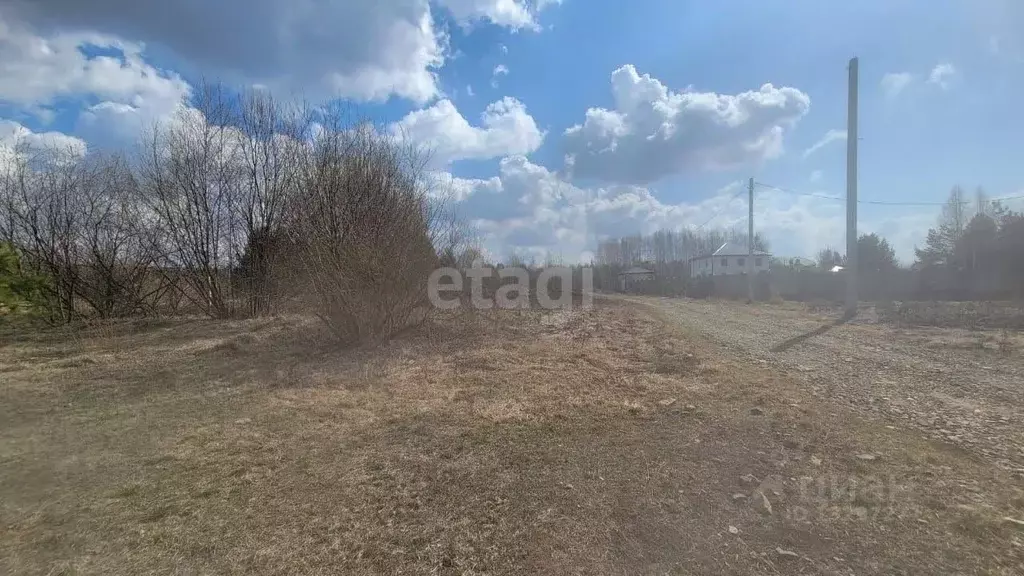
<point>679,114</point>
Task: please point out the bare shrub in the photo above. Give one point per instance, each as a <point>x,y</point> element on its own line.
<point>191,177</point>
<point>270,153</point>
<point>363,222</point>
<point>77,222</point>
<point>230,207</point>
<point>43,220</point>
<point>39,196</point>
<point>116,271</point>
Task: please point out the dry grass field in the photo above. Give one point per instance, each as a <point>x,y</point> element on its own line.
<point>616,440</point>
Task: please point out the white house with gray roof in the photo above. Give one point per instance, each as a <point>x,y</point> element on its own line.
<point>729,259</point>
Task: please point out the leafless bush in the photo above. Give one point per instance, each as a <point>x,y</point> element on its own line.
<point>191,175</point>
<point>231,206</point>
<point>221,180</point>
<point>365,232</point>
<point>43,220</point>
<point>270,153</point>
<point>116,276</point>
<point>77,222</point>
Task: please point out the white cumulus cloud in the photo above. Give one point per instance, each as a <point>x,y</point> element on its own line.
<point>540,213</point>
<point>37,70</point>
<point>506,128</point>
<point>13,134</point>
<point>445,186</point>
<point>653,132</point>
<point>18,141</point>
<point>360,49</point>
<point>511,13</point>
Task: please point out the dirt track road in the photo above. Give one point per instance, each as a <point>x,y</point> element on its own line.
<point>955,386</point>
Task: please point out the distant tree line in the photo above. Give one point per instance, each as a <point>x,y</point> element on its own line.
<point>975,251</point>
<point>666,252</point>
<point>874,256</point>
<point>665,246</point>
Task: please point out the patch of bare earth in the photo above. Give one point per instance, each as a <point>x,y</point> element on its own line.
<point>608,441</point>
<point>958,386</point>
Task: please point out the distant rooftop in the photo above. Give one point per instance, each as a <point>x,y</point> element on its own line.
<point>732,249</point>
<point>636,270</point>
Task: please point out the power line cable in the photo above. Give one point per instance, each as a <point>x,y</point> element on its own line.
<point>840,198</point>
<point>720,210</point>
<point>875,202</point>
<point>787,191</point>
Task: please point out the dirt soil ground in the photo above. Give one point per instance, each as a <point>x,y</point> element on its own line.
<point>650,437</point>
<point>963,387</point>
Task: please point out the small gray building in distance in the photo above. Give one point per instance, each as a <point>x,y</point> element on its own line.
<point>630,277</point>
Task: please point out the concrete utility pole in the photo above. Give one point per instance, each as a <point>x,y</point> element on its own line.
<point>851,194</point>
<point>750,241</point>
